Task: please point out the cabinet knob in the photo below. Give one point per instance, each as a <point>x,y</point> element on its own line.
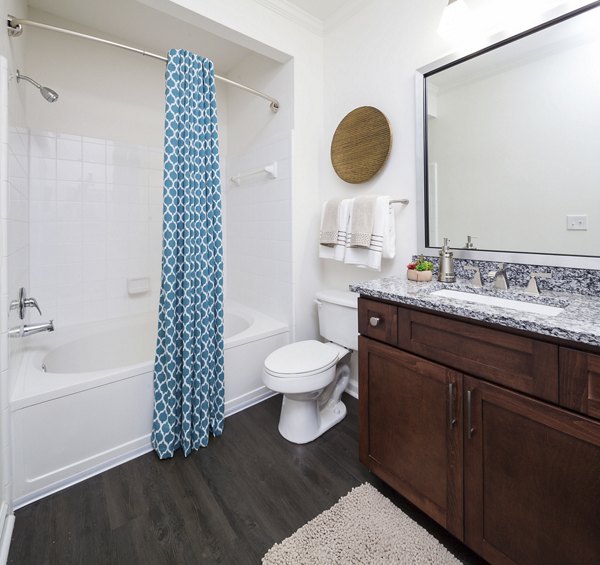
<point>374,321</point>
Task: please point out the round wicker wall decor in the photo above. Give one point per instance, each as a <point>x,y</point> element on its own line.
<point>361,144</point>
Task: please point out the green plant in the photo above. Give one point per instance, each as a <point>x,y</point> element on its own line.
<point>421,264</point>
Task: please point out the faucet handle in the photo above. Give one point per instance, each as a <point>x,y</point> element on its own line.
<point>32,303</point>
<point>476,280</point>
<point>532,286</point>
<point>23,302</point>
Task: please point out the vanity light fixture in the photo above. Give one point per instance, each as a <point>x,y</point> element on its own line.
<point>456,20</point>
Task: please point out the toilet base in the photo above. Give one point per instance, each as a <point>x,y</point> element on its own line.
<point>302,421</point>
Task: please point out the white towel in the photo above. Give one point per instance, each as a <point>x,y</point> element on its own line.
<point>337,252</point>
<point>329,222</point>
<point>383,239</point>
<point>362,221</point>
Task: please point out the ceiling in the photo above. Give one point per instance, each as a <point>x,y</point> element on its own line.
<point>321,9</point>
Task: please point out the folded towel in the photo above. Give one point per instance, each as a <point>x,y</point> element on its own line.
<point>362,220</point>
<point>338,250</point>
<point>383,239</point>
<point>329,223</point>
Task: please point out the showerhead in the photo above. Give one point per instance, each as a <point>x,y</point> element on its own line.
<point>48,94</point>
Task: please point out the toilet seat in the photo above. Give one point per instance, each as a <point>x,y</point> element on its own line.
<point>300,359</point>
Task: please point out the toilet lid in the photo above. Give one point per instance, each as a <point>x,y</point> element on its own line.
<point>306,357</point>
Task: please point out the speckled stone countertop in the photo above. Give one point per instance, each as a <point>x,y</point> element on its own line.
<point>579,321</point>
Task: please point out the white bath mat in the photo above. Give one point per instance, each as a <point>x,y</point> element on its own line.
<point>362,527</point>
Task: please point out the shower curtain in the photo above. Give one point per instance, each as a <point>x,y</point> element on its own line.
<point>189,362</point>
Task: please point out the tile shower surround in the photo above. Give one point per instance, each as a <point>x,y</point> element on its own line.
<point>95,216</point>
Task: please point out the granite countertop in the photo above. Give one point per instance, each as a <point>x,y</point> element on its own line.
<point>579,321</point>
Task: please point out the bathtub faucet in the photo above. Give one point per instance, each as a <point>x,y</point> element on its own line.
<point>24,331</point>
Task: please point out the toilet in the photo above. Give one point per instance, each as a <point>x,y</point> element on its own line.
<point>312,375</point>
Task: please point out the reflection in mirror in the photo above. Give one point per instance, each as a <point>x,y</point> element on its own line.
<point>513,144</point>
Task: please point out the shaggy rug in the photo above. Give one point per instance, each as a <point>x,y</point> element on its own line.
<point>362,527</point>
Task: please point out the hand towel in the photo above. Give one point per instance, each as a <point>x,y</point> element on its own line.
<point>362,221</point>
<point>329,223</point>
<point>338,250</point>
<point>383,239</point>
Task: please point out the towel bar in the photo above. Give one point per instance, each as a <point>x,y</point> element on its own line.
<point>270,170</point>
<point>404,201</point>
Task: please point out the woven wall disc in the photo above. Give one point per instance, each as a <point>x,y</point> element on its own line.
<point>361,144</point>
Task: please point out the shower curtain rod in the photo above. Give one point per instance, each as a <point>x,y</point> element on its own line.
<point>15,28</point>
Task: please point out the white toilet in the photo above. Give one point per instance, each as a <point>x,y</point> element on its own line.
<point>312,375</point>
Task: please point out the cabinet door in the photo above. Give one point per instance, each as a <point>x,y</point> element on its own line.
<point>532,479</point>
<point>411,437</point>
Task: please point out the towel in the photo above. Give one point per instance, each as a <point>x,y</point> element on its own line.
<point>329,223</point>
<point>338,250</point>
<point>383,239</point>
<point>362,220</point>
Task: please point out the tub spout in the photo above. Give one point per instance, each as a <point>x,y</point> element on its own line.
<point>24,331</point>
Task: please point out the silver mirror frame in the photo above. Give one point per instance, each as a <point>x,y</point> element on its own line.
<point>552,18</point>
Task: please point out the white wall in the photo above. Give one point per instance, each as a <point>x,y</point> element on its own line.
<point>258,213</point>
<point>370,59</point>
<point>104,92</point>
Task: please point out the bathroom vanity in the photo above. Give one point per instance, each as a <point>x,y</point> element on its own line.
<point>486,418</point>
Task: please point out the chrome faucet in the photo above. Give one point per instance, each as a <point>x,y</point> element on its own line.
<point>532,286</point>
<point>476,280</point>
<point>25,330</point>
<point>500,278</point>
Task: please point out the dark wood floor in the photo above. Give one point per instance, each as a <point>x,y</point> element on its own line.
<point>228,503</point>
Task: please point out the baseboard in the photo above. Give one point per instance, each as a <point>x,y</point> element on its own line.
<point>7,530</point>
<point>253,397</point>
<point>123,457</point>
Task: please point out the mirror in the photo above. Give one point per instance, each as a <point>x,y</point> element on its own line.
<point>511,146</point>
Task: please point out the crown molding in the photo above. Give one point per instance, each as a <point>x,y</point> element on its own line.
<point>294,14</point>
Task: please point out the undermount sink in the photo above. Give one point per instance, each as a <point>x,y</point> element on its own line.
<point>532,307</point>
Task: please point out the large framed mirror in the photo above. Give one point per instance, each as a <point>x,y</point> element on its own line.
<point>509,147</point>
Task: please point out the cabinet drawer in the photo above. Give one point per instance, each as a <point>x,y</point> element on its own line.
<point>378,321</point>
<point>518,362</point>
<point>580,381</point>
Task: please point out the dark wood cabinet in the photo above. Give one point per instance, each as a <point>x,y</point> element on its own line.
<point>464,421</point>
<point>412,439</point>
<point>518,362</point>
<point>580,381</point>
<point>532,479</point>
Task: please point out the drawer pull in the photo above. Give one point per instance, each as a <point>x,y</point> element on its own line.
<point>451,418</point>
<point>374,321</point>
<point>470,428</point>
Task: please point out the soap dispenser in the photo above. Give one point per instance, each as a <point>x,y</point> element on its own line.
<point>446,270</point>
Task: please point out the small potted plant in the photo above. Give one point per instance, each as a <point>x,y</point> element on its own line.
<point>420,270</point>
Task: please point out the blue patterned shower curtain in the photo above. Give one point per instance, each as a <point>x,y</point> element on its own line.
<point>189,364</point>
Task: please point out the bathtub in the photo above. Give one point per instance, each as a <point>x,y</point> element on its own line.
<point>83,397</point>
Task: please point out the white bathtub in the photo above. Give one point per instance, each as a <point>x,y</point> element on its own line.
<point>91,408</point>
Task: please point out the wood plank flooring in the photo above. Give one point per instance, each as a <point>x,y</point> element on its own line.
<point>228,503</point>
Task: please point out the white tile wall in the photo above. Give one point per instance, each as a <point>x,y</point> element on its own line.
<point>258,227</point>
<point>94,220</point>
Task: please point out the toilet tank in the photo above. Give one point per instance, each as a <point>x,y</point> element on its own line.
<point>338,317</point>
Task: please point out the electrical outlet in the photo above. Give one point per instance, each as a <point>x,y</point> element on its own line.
<point>577,222</point>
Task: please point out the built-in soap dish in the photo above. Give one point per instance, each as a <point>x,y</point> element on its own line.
<point>139,285</point>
